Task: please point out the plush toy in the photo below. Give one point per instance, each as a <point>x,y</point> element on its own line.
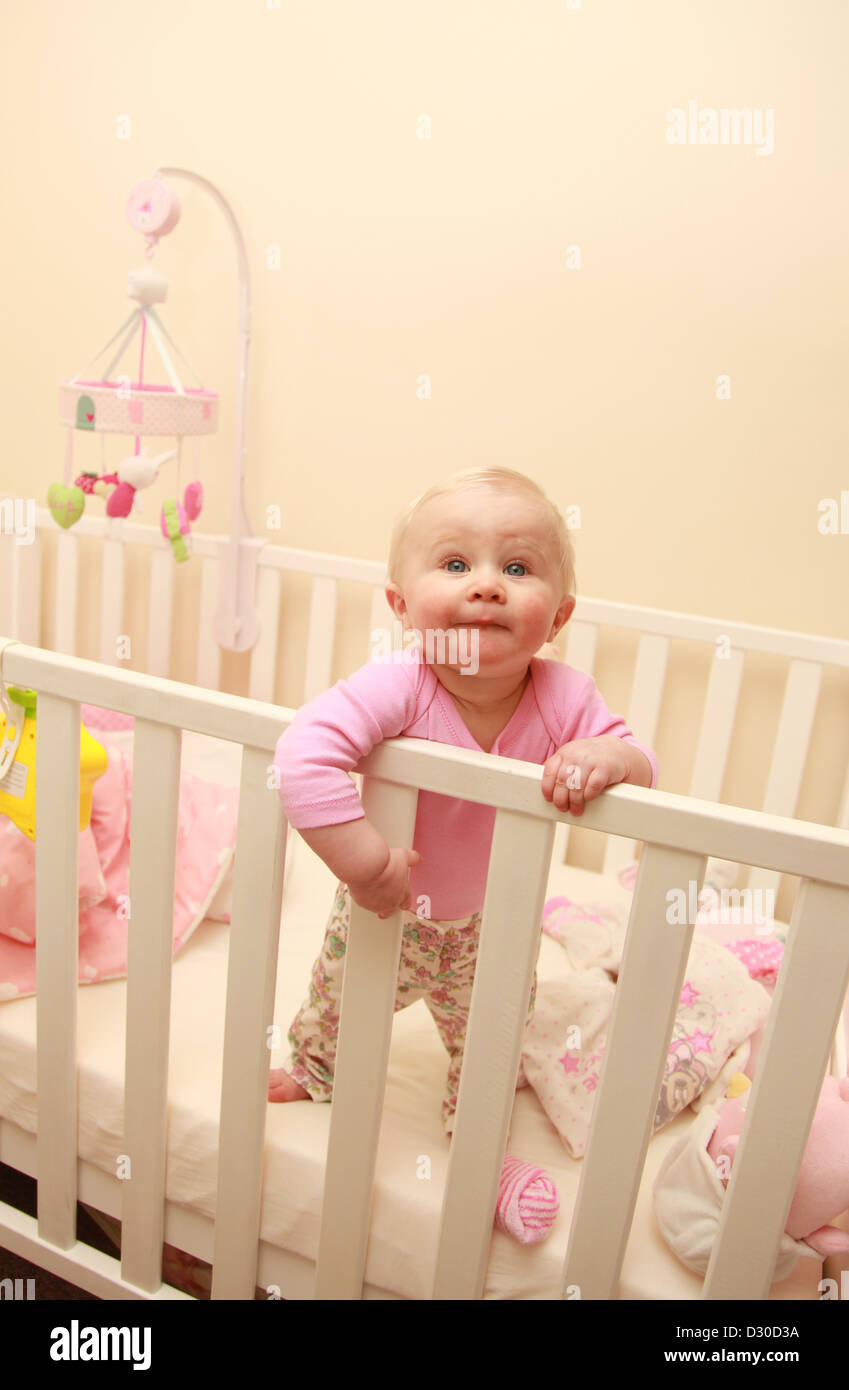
<point>134,473</point>
<point>18,740</point>
<point>175,519</point>
<point>822,1188</point>
<point>690,1185</point>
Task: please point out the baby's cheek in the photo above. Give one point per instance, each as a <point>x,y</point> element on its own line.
<point>536,613</point>
<point>442,612</point>
<point>434,606</point>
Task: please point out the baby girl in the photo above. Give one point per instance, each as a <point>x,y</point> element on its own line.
<point>482,570</point>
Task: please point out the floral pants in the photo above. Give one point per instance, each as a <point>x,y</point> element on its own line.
<point>437,964</point>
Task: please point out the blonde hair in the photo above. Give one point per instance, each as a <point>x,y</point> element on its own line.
<point>487,477</point>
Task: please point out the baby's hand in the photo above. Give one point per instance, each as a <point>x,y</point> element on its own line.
<point>579,771</point>
<point>390,889</point>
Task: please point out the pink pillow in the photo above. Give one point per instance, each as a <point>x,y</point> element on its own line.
<point>109,807</point>
<point>17,880</point>
<point>96,718</point>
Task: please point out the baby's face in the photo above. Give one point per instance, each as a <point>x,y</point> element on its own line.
<point>484,560</point>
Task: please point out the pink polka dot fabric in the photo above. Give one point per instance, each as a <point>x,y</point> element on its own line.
<point>762,959</point>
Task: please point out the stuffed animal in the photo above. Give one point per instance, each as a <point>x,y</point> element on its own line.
<point>690,1185</point>
<point>822,1187</point>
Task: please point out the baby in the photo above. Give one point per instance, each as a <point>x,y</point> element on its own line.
<point>482,569</point>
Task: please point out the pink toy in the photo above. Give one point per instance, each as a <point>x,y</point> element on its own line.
<point>822,1188</point>
<point>193,500</point>
<point>175,519</point>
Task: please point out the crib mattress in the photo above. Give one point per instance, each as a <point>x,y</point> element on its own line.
<point>406,1209</point>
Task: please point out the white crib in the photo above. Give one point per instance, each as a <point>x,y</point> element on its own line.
<point>678,832</point>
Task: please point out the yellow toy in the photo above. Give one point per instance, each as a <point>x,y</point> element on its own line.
<point>17,762</point>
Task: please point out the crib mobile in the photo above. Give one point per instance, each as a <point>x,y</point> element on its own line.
<point>140,408</point>
<point>105,406</point>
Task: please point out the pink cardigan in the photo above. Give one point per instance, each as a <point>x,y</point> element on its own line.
<point>383,700</point>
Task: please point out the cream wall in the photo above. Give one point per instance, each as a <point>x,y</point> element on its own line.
<point>403,257</point>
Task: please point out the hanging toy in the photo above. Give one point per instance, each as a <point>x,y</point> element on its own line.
<point>136,407</point>
<point>175,519</point>
<point>17,761</point>
<point>136,472</point>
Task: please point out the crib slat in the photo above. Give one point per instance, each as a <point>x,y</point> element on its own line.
<point>790,753</point>
<point>380,618</point>
<point>111,595</point>
<point>791,745</point>
<point>653,966</point>
<point>784,1096</point>
<point>153,840</point>
<point>251,985</point>
<point>322,629</point>
<point>582,639</point>
<point>160,613</point>
<point>65,602</point>
<point>8,564</point>
<point>20,586</point>
<point>27,591</point>
<point>581,642</point>
<point>561,843</point>
<point>57,938</point>
<point>208,650</point>
<point>647,689</point>
<point>509,945</point>
<point>643,714</point>
<point>843,813</point>
<point>717,727</point>
<point>264,654</point>
<point>365,1029</point>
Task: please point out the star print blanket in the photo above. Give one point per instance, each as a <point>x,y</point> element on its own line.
<point>721,1006</point>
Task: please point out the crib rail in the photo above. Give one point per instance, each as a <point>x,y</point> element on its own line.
<point>806,655</point>
<point>63,683</point>
<point>678,833</point>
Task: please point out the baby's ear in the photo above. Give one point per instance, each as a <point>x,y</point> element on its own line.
<point>395,599</point>
<point>561,617</point>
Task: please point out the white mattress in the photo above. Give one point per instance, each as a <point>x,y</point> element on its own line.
<point>406,1209</point>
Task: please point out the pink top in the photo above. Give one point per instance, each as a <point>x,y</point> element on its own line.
<point>383,700</point>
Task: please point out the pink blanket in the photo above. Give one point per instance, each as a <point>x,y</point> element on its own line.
<point>205,842</point>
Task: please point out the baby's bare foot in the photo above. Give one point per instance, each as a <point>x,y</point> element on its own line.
<point>281,1086</point>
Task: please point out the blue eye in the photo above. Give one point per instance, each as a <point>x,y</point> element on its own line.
<point>516,565</point>
<point>449,563</point>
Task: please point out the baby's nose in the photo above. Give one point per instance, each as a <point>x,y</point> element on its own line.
<point>488,587</point>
